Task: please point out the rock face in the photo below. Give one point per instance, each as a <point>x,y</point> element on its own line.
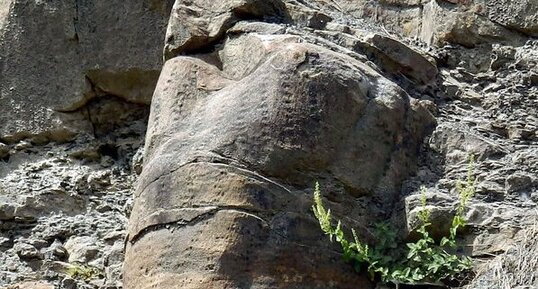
<point>256,101</point>
<point>56,56</point>
<point>76,79</point>
<point>466,22</point>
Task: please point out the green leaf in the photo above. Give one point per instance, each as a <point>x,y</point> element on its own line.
<point>424,259</point>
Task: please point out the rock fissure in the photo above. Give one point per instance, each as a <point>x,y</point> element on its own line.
<point>193,160</point>
<point>178,224</point>
<point>75,21</point>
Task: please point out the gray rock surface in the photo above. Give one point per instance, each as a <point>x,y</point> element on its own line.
<point>56,56</point>
<point>257,100</point>
<point>76,79</point>
<point>61,204</point>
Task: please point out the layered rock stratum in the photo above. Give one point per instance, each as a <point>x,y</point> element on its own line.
<point>162,144</point>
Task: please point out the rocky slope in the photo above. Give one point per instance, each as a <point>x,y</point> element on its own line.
<point>255,102</point>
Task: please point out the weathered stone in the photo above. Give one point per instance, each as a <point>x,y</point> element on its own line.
<point>81,249</point>
<point>69,283</point>
<point>412,63</point>
<point>518,15</point>
<point>4,150</point>
<point>406,20</point>
<point>303,16</point>
<point>5,243</point>
<point>457,143</point>
<point>518,182</point>
<point>441,24</point>
<point>56,251</point>
<point>501,55</point>
<point>257,27</point>
<point>521,254</point>
<point>79,51</point>
<point>441,207</point>
<point>48,201</point>
<point>464,22</point>
<point>197,24</point>
<point>231,161</point>
<point>27,251</point>
<point>7,210</point>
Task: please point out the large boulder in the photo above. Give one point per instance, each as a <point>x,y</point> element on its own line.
<point>56,56</point>
<point>237,139</point>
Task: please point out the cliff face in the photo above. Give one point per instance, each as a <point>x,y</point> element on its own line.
<point>76,79</point>
<point>255,102</point>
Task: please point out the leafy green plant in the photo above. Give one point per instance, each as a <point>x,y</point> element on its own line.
<point>82,272</point>
<point>425,260</point>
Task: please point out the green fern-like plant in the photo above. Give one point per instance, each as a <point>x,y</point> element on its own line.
<point>424,261</point>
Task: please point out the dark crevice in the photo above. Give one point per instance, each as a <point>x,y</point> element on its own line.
<point>178,224</point>
<point>110,150</point>
<point>76,22</point>
<point>95,93</point>
<point>398,6</point>
<point>90,120</point>
<point>194,160</point>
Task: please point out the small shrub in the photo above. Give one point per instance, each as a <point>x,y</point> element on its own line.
<point>425,261</point>
<point>83,272</point>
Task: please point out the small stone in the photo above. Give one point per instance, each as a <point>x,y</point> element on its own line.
<point>23,145</point>
<point>5,242</point>
<point>115,254</point>
<point>27,251</point>
<point>104,208</point>
<point>515,133</point>
<point>113,236</point>
<point>68,283</point>
<point>106,161</point>
<point>38,243</point>
<point>138,161</point>
<point>4,150</point>
<point>319,20</point>
<point>518,182</point>
<point>57,251</point>
<point>57,266</point>
<point>99,180</point>
<point>533,79</point>
<point>7,211</point>
<point>81,249</point>
<point>113,273</point>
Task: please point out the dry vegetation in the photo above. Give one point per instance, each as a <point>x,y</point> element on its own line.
<point>516,268</point>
